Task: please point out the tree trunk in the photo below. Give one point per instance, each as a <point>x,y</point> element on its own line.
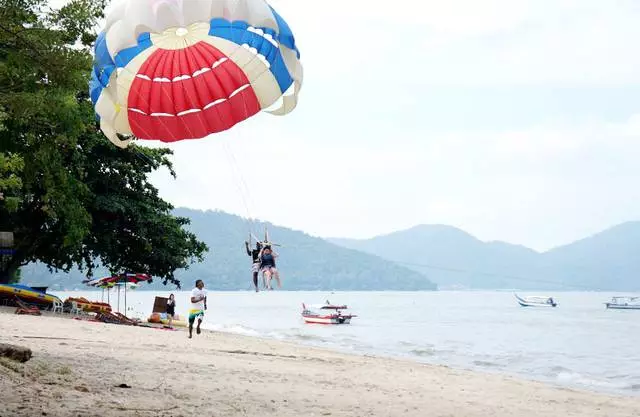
<point>8,272</point>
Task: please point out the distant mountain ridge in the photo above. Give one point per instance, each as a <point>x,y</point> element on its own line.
<point>306,262</point>
<point>414,259</point>
<point>455,259</point>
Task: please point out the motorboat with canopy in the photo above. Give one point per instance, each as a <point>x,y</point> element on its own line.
<point>326,314</point>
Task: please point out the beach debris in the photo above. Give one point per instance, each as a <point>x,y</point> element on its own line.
<point>81,388</point>
<point>16,353</point>
<point>123,386</point>
<point>156,410</point>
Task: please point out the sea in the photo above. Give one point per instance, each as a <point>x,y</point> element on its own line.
<point>579,344</point>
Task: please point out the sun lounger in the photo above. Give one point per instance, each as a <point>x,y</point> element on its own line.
<point>26,309</point>
<point>115,318</point>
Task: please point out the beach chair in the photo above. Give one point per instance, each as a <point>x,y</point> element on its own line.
<point>76,309</point>
<point>58,306</point>
<point>26,309</point>
<point>126,320</point>
<point>108,318</point>
<point>115,318</point>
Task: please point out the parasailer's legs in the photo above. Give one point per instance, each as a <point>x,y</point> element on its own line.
<point>266,275</point>
<point>271,273</point>
<point>276,275</point>
<point>255,268</point>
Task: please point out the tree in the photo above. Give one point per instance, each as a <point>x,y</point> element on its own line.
<point>72,198</point>
<point>11,167</point>
<point>16,277</point>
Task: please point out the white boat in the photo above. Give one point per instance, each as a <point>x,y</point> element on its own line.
<point>326,314</point>
<point>536,301</point>
<point>624,303</point>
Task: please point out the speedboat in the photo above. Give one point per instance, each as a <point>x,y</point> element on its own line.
<point>624,303</point>
<point>536,301</point>
<point>326,314</point>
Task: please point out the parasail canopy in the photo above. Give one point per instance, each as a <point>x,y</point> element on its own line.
<point>172,70</point>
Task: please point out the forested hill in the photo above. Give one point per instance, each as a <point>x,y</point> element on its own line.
<point>306,262</point>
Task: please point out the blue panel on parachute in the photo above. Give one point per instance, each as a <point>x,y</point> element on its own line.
<point>286,34</point>
<point>127,55</point>
<point>104,65</point>
<point>238,32</point>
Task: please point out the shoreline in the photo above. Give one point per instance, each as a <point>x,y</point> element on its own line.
<point>416,358</point>
<point>549,381</point>
<point>77,367</point>
<point>413,358</point>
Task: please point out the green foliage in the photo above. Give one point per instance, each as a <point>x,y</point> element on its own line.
<point>11,167</point>
<point>15,278</point>
<point>74,197</point>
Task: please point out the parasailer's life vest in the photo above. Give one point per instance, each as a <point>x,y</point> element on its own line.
<point>267,260</point>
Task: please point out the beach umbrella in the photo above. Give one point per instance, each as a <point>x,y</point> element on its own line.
<point>128,278</point>
<point>102,283</point>
<point>121,280</point>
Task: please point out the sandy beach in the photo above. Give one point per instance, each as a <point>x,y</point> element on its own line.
<point>78,367</point>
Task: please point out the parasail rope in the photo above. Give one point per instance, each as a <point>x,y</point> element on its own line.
<point>240,183</point>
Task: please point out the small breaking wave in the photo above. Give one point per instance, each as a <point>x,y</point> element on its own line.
<point>577,379</point>
<point>486,364</point>
<point>557,370</point>
<point>423,352</point>
<point>234,328</point>
<point>308,337</point>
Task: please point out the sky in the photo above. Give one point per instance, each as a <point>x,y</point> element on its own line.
<point>514,120</point>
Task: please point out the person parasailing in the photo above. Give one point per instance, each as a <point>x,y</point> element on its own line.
<point>268,266</point>
<point>255,257</point>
